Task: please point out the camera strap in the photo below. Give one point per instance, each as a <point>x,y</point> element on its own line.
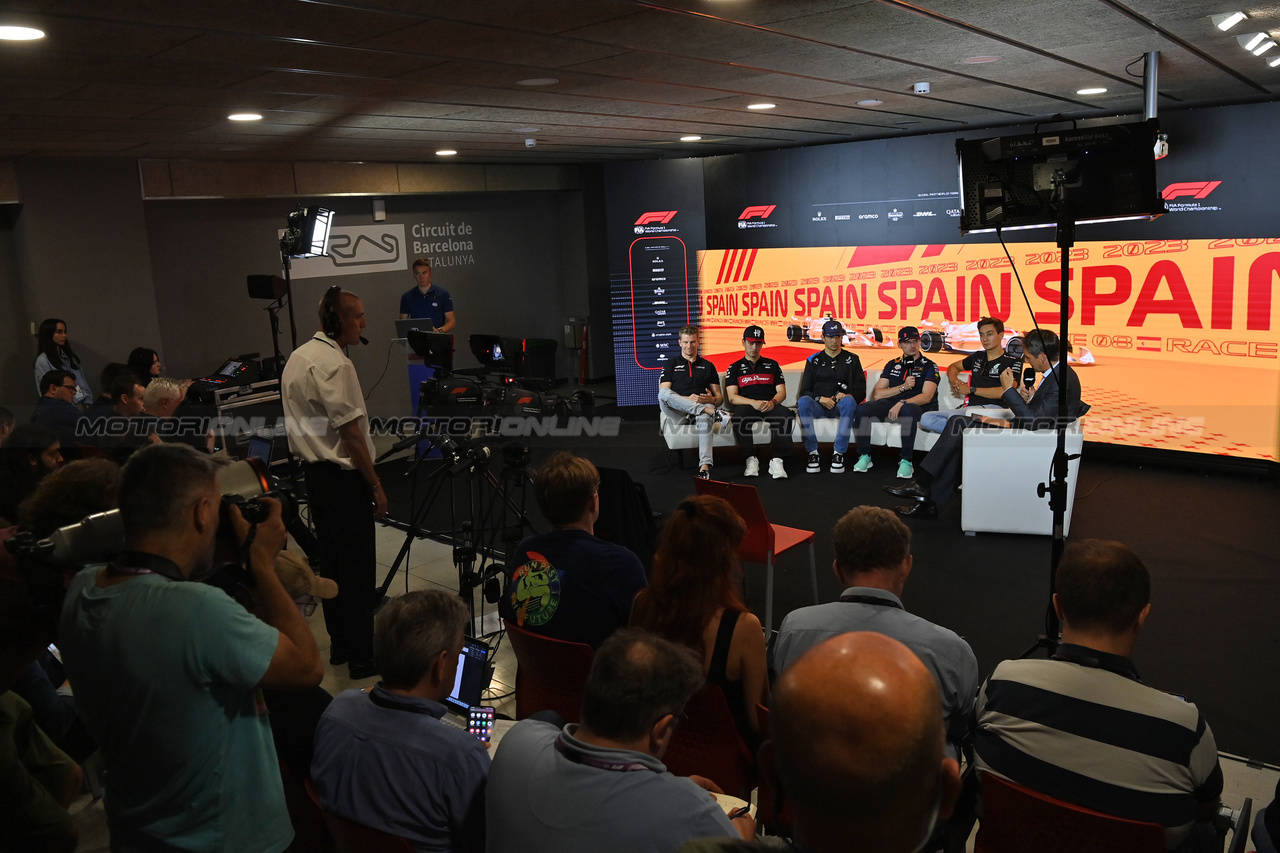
<point>142,563</point>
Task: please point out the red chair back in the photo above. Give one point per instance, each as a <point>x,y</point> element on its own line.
<point>1016,819</point>
<point>305,813</point>
<point>759,541</point>
<point>715,488</point>
<point>707,743</point>
<point>550,674</point>
<point>351,837</point>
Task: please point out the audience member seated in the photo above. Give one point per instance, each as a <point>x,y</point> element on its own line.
<point>125,428</point>
<point>600,784</point>
<point>872,561</point>
<point>56,354</point>
<point>858,748</point>
<point>55,411</point>
<point>161,400</point>
<point>54,712</point>
<point>7,423</point>
<point>383,758</point>
<point>693,599</point>
<point>31,452</point>
<point>145,364</point>
<point>1082,728</point>
<point>38,782</point>
<point>166,671</point>
<point>567,583</point>
<point>101,407</point>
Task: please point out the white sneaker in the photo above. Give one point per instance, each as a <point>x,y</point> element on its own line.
<point>753,467</point>
<point>837,463</point>
<point>776,469</point>
<point>863,465</point>
<point>814,465</point>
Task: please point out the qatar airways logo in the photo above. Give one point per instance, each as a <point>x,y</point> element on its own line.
<point>755,216</point>
<point>655,221</point>
<point>1184,197</point>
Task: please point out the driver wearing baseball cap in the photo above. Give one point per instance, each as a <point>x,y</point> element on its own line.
<point>755,387</point>
<point>907,388</point>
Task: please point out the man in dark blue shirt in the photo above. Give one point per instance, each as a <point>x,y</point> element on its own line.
<point>831,386</point>
<point>908,387</point>
<point>427,301</point>
<point>689,388</point>
<point>56,411</point>
<point>755,387</point>
<point>567,584</point>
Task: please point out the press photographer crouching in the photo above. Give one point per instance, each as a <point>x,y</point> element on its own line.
<point>166,671</point>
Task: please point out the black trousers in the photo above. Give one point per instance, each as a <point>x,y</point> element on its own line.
<point>779,421</point>
<point>945,460</point>
<point>342,512</point>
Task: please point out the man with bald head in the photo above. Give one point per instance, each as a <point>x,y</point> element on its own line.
<point>858,749</point>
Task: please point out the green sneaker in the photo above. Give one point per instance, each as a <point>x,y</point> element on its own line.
<point>906,470</point>
<point>863,465</point>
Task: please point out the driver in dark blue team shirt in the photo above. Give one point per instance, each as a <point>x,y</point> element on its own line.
<point>755,387</point>
<point>908,387</point>
<point>567,584</point>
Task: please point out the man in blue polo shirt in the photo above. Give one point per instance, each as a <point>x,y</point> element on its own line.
<point>427,301</point>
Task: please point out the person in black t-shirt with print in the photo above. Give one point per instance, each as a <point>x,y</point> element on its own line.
<point>755,387</point>
<point>985,367</point>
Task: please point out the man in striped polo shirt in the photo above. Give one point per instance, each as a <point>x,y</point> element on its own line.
<point>1083,728</point>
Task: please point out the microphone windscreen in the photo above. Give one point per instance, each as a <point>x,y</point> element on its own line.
<point>364,340</point>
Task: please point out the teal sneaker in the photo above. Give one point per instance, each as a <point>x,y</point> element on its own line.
<point>906,470</point>
<point>863,465</point>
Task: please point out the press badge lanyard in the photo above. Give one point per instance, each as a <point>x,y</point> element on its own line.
<point>142,563</point>
<point>577,756</point>
<point>1079,655</point>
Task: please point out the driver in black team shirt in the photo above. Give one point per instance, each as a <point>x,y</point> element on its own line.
<point>755,387</point>
<point>985,367</point>
<point>689,390</point>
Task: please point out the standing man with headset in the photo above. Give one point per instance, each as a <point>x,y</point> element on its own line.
<point>427,301</point>
<point>329,432</point>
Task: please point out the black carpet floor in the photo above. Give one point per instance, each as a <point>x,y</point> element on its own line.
<point>1209,540</point>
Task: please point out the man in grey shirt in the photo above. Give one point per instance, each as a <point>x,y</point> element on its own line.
<point>601,784</point>
<point>873,560</point>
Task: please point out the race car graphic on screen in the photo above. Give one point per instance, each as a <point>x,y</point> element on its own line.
<point>960,338</point>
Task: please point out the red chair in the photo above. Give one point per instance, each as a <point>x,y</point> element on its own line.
<point>351,837</point>
<point>765,541</point>
<point>777,821</point>
<point>1016,819</point>
<point>707,743</point>
<point>550,674</point>
<point>305,813</point>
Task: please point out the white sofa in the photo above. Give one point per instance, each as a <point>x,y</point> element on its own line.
<point>1002,470</point>
<point>680,435</point>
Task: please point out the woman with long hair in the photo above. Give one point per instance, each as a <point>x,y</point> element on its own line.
<point>692,598</point>
<point>145,363</point>
<point>56,354</point>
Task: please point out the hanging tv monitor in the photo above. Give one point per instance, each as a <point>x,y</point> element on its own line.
<point>1105,173</point>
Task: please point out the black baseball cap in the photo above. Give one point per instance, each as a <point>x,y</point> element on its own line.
<point>908,333</point>
<point>753,333</point>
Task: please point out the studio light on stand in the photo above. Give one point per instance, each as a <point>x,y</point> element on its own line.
<point>307,236</point>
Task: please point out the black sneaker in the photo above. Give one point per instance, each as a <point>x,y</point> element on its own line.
<point>815,463</point>
<point>703,474</point>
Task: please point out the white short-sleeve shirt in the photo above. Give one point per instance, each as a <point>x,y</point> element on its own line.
<point>320,392</point>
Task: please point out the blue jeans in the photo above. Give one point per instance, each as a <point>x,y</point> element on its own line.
<point>937,421</point>
<point>808,408</point>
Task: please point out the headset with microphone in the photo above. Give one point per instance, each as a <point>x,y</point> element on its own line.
<point>330,320</point>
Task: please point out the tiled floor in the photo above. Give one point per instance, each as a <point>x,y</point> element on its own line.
<point>430,564</point>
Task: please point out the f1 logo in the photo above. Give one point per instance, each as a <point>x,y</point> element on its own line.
<point>1195,189</point>
<point>761,211</point>
<point>657,217</point>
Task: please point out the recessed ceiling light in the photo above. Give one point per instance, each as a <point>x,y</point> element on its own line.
<point>690,138</point>
<point>979,60</point>
<point>870,102</point>
<point>1251,40</point>
<point>446,152</point>
<point>245,117</point>
<point>1264,47</point>
<point>1227,21</point>
<point>538,81</point>
<point>527,130</point>
<point>761,106</point>
<point>20,33</point>
<point>1274,62</point>
<point>1097,90</point>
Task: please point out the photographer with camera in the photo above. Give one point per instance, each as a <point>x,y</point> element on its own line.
<point>166,670</point>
